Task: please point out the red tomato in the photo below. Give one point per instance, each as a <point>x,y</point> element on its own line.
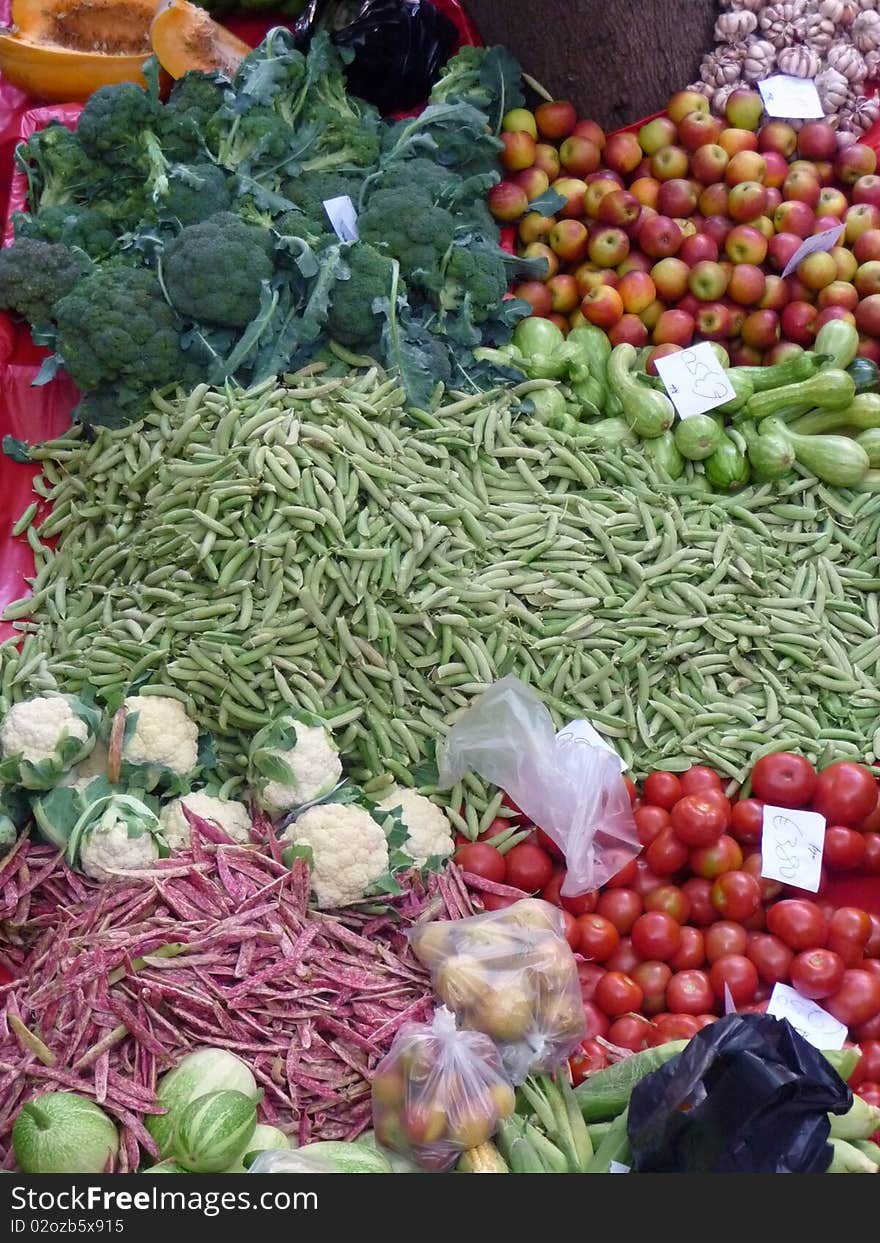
<point>770,889</point>
<point>699,778</point>
<point>867,1031</point>
<point>589,1058</point>
<point>589,974</point>
<point>872,949</point>
<point>849,931</point>
<point>698,820</point>
<point>676,1027</point>
<point>622,907</point>
<point>482,860</point>
<point>845,849</point>
<point>667,854</point>
<point>857,1000</point>
<point>598,937</point>
<point>579,903</point>
<point>645,880</point>
<point>722,856</point>
<point>845,793</point>
<point>817,973</point>
<point>784,780</point>
<point>498,825</point>
<point>772,957</point>
<point>528,867</point>
<point>656,935</point>
<point>507,801</point>
<point>624,878</point>
<point>548,844</point>
<point>756,922</point>
<point>720,800</point>
<point>662,789</point>
<point>649,821</point>
<point>871,864</point>
<point>871,965</point>
<point>706,1020</point>
<point>871,822</point>
<point>572,932</point>
<point>736,895</point>
<point>739,974</point>
<point>624,958</point>
<point>689,992</point>
<point>800,924</point>
<point>699,891</point>
<point>747,820</point>
<point>631,1032</point>
<point>496,901</point>
<point>723,938</point>
<point>550,892</point>
<point>652,978</point>
<point>631,789</point>
<point>618,994</point>
<point>596,1023</point>
<point>672,900</point>
<point>691,950</point>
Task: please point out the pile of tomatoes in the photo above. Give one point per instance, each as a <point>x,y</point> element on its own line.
<point>691,926</point>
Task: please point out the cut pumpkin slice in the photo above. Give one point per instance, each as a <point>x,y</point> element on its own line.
<point>184,37</point>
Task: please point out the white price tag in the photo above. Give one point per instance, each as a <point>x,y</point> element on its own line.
<point>729,1003</point>
<point>695,380</point>
<point>807,1018</point>
<point>617,1167</point>
<point>826,240</point>
<point>343,217</point>
<point>583,733</point>
<point>787,96</point>
<point>791,846</point>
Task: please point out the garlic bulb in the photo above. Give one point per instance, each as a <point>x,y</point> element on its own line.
<point>759,60</point>
<point>722,66</point>
<point>783,24</point>
<point>799,61</point>
<point>845,138</point>
<point>872,63</point>
<point>820,32</point>
<point>860,114</point>
<point>847,60</point>
<point>733,27</point>
<point>865,5</point>
<point>865,32</point>
<point>702,88</point>
<point>750,6</point>
<point>833,89</point>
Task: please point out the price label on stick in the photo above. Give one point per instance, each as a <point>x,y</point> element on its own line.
<point>826,240</point>
<point>787,96</point>
<point>791,846</point>
<point>617,1167</point>
<point>807,1018</point>
<point>695,380</point>
<point>343,217</point>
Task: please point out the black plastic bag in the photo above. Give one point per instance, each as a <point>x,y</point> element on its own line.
<point>747,1096</point>
<point>399,47</point>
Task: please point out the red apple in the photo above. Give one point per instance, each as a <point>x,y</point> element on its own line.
<point>588,276</point>
<point>781,248</point>
<point>555,120</point>
<point>745,166</point>
<point>562,322</point>
<point>569,239</point>
<point>847,263</point>
<point>817,140</point>
<point>825,224</point>
<point>737,316</point>
<point>713,200</point>
<point>760,330</point>
<point>642,169</point>
<point>539,250</point>
<point>518,152</point>
<point>697,129</point>
<point>689,304</point>
<point>747,283</point>
<point>579,156</point>
<point>651,314</point>
<point>564,293</point>
<point>602,306</point>
<point>574,191</point>
<point>745,244</point>
<point>797,290</point>
<point>547,159</point>
<point>860,218</point>
<point>537,295</point>
<point>803,186</point>
<point>867,246</point>
<point>838,293</point>
<point>534,226</point>
<point>669,162</point>
<point>634,262</point>
<point>832,202</point>
<point>697,248</point>
<point>594,193</point>
<point>677,197</point>
<point>670,277</point>
<point>774,199</point>
<point>674,328</point>
<point>646,190</point>
<point>533,180</point>
<point>868,316</point>
<point>507,201</point>
<point>656,134</point>
<point>708,281</point>
<point>764,225</point>
<point>744,108</point>
<point>734,140</point>
<point>659,237</point>
<point>619,208</point>
<point>683,103</point>
<point>798,322</point>
<point>713,321</point>
<point>622,152</point>
<point>630,330</point>
<point>781,351</point>
<point>795,216</point>
<point>746,356</point>
<point>592,130</point>
<point>855,161</point>
<point>835,312</point>
<point>660,351</point>
<point>520,118</point>
<point>779,137</point>
<point>867,190</point>
<point>775,295</point>
<point>869,348</point>
<point>608,246</point>
<point>746,201</point>
<point>637,290</point>
<point>709,162</point>
<point>717,227</point>
<point>817,270</point>
<point>605,174</point>
<point>775,169</point>
<point>868,279</point>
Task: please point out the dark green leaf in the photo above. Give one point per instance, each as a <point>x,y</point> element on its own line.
<point>548,203</point>
<point>17,450</point>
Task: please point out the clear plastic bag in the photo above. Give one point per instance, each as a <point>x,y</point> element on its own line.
<point>289,1161</point>
<point>512,975</point>
<point>438,1092</point>
<point>568,783</point>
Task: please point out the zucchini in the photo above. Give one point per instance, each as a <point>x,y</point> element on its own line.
<point>862,412</point>
<point>870,442</point>
<point>865,374</point>
<point>794,369</point>
<point>831,390</point>
<point>648,413</point>
<point>743,386</point>
<point>663,453</point>
<point>727,468</point>
<point>838,341</point>
<point>832,459</point>
<point>698,437</point>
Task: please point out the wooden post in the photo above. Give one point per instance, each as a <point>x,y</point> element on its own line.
<point>616,60</point>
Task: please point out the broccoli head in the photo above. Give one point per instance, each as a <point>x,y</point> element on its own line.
<point>195,192</point>
<point>214,271</point>
<point>487,78</point>
<point>431,178</point>
<point>117,332</point>
<point>57,168</point>
<point>72,225</point>
<point>352,320</point>
<point>193,101</point>
<point>309,191</point>
<point>406,225</point>
<point>118,128</point>
<point>256,135</point>
<point>274,73</point>
<point>476,277</point>
<point>34,275</point>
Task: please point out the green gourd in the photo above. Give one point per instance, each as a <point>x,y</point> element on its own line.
<point>862,412</point>
<point>838,341</point>
<point>870,442</point>
<point>648,413</point>
<point>663,452</point>
<point>698,437</point>
<point>727,469</point>
<point>832,459</point>
<point>771,456</point>
<point>791,371</point>
<point>830,390</point>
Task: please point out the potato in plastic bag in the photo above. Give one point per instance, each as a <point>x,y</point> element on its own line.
<point>438,1092</point>
<point>512,975</point>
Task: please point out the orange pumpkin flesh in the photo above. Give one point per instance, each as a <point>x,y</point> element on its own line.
<point>184,37</point>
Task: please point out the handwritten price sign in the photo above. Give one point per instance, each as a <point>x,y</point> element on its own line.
<point>787,96</point>
<point>809,1020</point>
<point>791,846</point>
<point>695,380</point>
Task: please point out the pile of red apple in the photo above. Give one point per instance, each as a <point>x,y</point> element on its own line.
<point>681,231</point>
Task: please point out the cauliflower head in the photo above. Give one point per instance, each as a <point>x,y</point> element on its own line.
<point>428,831</point>
<point>109,850</point>
<point>159,735</point>
<point>349,851</point>
<point>43,737</point>
<point>292,763</point>
<point>232,817</point>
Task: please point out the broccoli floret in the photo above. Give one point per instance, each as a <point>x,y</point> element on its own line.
<point>193,101</point>
<point>432,179</point>
<point>274,73</point>
<point>118,127</point>
<point>487,78</point>
<point>255,135</point>
<point>71,226</point>
<point>119,338</point>
<point>406,225</point>
<point>214,271</point>
<point>195,192</point>
<point>352,320</point>
<point>310,191</point>
<point>475,276</point>
<point>34,275</point>
<point>57,167</point>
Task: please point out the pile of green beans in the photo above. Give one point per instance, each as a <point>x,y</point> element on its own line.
<point>315,543</point>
